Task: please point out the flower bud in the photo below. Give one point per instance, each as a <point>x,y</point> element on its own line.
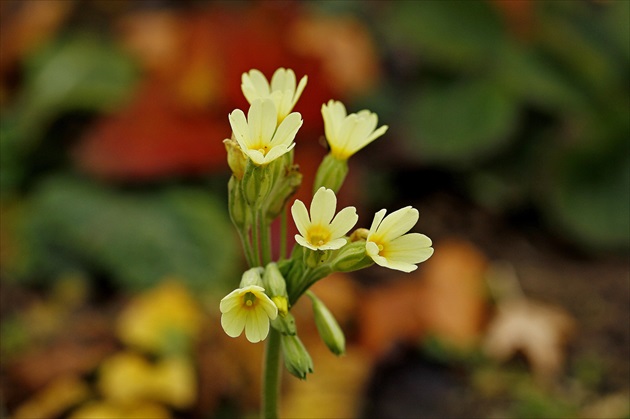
<point>331,173</point>
<point>237,207</point>
<point>351,257</point>
<point>256,184</point>
<point>327,326</point>
<point>282,303</point>
<point>252,277</point>
<point>284,188</point>
<point>296,357</point>
<point>274,281</point>
<point>284,324</point>
<point>237,160</point>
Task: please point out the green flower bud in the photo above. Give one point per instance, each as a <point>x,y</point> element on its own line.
<point>252,277</point>
<point>237,207</point>
<point>351,257</point>
<point>327,326</point>
<point>284,188</point>
<point>274,281</point>
<point>256,184</point>
<point>284,324</point>
<point>237,160</point>
<point>314,258</point>
<point>296,357</point>
<point>331,173</point>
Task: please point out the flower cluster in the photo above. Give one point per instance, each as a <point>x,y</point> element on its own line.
<point>260,154</point>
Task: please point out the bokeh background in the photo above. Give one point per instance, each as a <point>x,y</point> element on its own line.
<point>509,131</point>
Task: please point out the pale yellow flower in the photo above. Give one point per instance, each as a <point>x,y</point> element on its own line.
<point>160,317</point>
<point>282,91</point>
<point>259,136</point>
<point>320,231</point>
<point>247,308</point>
<point>389,246</point>
<point>347,134</point>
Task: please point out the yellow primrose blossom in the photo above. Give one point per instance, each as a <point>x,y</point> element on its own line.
<point>320,231</point>
<point>389,246</point>
<point>161,320</point>
<point>347,134</point>
<point>257,134</point>
<point>247,308</point>
<point>282,90</point>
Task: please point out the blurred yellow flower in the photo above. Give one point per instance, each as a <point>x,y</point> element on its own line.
<point>389,246</point>
<point>257,134</point>
<point>247,308</point>
<point>164,320</point>
<point>347,134</point>
<point>282,91</point>
<point>321,231</point>
<point>108,410</point>
<point>127,378</point>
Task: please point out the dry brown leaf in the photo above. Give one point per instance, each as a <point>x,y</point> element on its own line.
<point>454,292</point>
<point>445,297</point>
<point>538,331</point>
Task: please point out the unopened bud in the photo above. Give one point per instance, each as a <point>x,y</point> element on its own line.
<point>284,324</point>
<point>331,173</point>
<point>237,160</point>
<point>237,207</point>
<point>256,184</point>
<point>252,277</point>
<point>296,357</point>
<point>351,257</point>
<point>327,326</point>
<point>282,303</point>
<point>274,281</point>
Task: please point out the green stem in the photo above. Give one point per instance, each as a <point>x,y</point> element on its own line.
<point>255,238</point>
<point>265,238</point>
<point>271,376</point>
<point>247,247</point>
<point>283,233</point>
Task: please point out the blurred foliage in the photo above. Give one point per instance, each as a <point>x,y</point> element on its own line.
<point>134,238</point>
<point>528,103</point>
<point>75,72</point>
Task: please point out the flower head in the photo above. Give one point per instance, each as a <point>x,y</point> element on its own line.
<point>282,90</point>
<point>320,231</point>
<point>247,308</point>
<point>389,246</point>
<point>347,134</point>
<point>257,134</point>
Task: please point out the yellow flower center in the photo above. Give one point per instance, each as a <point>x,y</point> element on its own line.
<point>249,299</point>
<point>318,235</point>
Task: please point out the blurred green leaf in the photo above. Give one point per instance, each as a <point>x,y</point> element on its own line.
<point>136,239</point>
<point>533,79</point>
<point>78,72</point>
<point>457,34</point>
<point>590,199</point>
<point>460,122</point>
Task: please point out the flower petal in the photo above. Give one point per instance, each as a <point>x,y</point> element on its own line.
<point>238,122</point>
<point>285,134</point>
<point>333,244</point>
<point>233,322</point>
<point>378,218</point>
<point>300,217</point>
<point>305,243</point>
<point>398,223</point>
<point>323,206</point>
<point>257,325</point>
<point>343,222</point>
<point>411,248</point>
